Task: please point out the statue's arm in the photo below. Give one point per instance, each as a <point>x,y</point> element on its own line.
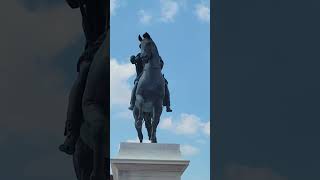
<point>133,59</point>
<point>138,58</point>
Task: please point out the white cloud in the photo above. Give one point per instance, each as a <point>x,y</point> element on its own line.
<point>166,123</point>
<point>120,89</point>
<point>133,140</point>
<point>114,4</point>
<point>169,10</point>
<point>206,128</point>
<point>144,17</point>
<point>188,124</point>
<point>138,141</point>
<point>203,12</point>
<point>188,150</point>
<point>183,4</point>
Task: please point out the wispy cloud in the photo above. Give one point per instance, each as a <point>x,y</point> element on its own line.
<point>206,128</point>
<point>166,123</point>
<point>114,4</point>
<point>202,11</point>
<point>138,141</point>
<point>188,150</point>
<point>169,10</point>
<point>188,124</point>
<point>144,17</point>
<point>120,89</point>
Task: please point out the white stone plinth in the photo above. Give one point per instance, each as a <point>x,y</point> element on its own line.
<point>148,161</point>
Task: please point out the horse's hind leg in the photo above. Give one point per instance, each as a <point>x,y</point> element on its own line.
<point>147,120</point>
<point>157,111</point>
<point>138,123</point>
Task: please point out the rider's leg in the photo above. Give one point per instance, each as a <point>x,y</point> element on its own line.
<point>166,100</point>
<point>133,96</point>
<point>74,112</point>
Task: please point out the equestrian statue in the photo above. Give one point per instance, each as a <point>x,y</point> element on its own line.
<point>150,91</point>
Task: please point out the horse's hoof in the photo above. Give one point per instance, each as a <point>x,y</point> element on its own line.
<point>141,140</point>
<point>154,140</point>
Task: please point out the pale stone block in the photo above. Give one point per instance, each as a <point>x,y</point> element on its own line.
<point>148,161</point>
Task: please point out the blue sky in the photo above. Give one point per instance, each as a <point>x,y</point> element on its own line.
<point>181,32</point>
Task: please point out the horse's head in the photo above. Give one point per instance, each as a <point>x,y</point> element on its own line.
<point>147,47</point>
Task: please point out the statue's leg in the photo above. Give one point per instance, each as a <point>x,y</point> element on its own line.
<point>138,123</point>
<point>133,96</point>
<point>74,112</point>
<point>95,106</point>
<point>156,119</point>
<point>147,121</point>
<point>166,99</point>
<point>82,160</point>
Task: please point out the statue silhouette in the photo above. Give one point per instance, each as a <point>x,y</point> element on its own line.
<point>88,100</point>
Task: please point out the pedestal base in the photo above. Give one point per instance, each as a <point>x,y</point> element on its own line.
<point>145,161</point>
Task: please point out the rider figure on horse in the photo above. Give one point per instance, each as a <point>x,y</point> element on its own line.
<point>137,61</point>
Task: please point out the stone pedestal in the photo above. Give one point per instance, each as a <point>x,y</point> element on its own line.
<point>146,161</point>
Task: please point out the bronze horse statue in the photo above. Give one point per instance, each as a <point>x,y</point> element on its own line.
<point>150,90</point>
